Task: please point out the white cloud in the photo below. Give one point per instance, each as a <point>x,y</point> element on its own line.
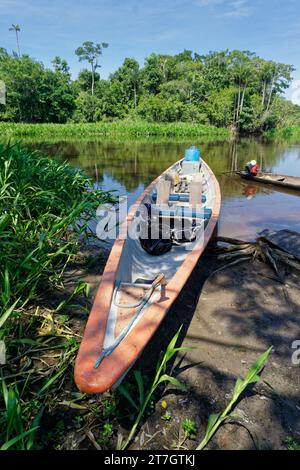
<point>204,3</point>
<point>230,8</point>
<point>295,95</point>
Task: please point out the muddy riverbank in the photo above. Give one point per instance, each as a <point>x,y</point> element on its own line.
<point>241,311</point>
<point>229,319</point>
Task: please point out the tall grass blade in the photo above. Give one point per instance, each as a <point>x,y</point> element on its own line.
<point>252,376</point>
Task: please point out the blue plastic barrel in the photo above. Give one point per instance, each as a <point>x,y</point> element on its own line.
<point>192,154</point>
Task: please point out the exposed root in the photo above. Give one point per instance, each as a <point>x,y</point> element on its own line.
<point>236,251</point>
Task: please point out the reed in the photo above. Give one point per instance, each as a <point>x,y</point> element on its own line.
<point>114,129</point>
<point>291,134</point>
<point>40,199</point>
<point>41,202</point>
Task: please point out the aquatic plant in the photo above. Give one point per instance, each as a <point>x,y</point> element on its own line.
<point>111,129</point>
<point>291,134</point>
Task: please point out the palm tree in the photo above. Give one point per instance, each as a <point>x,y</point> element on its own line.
<point>17,29</point>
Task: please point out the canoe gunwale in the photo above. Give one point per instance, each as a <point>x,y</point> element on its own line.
<point>114,366</point>
<point>284,184</point>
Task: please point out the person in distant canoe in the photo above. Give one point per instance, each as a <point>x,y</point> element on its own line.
<point>252,168</point>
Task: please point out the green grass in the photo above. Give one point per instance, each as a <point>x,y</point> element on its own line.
<point>111,129</point>
<point>215,420</point>
<point>291,134</point>
<point>291,444</point>
<point>145,396</point>
<point>41,201</point>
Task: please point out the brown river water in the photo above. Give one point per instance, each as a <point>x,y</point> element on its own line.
<point>247,208</point>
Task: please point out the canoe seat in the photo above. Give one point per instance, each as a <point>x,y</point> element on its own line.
<point>179,197</point>
<point>195,213</point>
<point>182,211</point>
<point>163,189</point>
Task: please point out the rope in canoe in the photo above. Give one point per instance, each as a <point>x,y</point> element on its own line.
<point>159,280</point>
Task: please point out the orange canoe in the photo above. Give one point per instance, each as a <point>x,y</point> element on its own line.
<point>137,288</point>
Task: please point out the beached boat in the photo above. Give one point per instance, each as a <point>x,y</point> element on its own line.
<point>288,182</point>
<point>142,279</point>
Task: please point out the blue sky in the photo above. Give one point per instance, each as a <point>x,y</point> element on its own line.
<point>133,28</point>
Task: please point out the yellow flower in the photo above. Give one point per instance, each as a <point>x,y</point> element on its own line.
<point>164,404</point>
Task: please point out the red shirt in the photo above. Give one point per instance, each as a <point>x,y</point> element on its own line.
<point>254,170</point>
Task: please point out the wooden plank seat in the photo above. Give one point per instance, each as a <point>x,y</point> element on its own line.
<point>179,197</point>
<point>181,211</point>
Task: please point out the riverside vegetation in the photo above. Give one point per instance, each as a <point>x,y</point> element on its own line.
<point>227,89</point>
<point>130,129</point>
<point>41,202</point>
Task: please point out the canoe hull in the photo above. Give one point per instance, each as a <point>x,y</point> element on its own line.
<point>115,366</point>
<point>288,182</point>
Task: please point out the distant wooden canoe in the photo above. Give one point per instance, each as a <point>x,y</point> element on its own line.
<point>126,281</point>
<point>288,182</point>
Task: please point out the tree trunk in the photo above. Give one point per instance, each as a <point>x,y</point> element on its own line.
<point>18,45</point>
<point>242,101</point>
<point>263,94</point>
<point>134,96</point>
<point>238,105</point>
<point>270,93</point>
<point>93,78</point>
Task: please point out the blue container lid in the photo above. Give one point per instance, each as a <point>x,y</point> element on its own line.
<point>192,154</point>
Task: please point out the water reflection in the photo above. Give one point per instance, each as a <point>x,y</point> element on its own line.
<point>129,167</point>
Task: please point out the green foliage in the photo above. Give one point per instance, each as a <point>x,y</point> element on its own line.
<point>166,416</point>
<point>91,53</point>
<point>108,430</point>
<point>88,108</point>
<point>291,134</point>
<point>35,94</point>
<point>132,128</point>
<point>226,88</point>
<point>190,428</point>
<point>220,107</point>
<point>291,444</point>
<point>252,376</point>
<point>155,108</point>
<point>84,81</point>
<point>17,437</point>
<point>40,199</point>
<point>126,83</point>
<point>145,396</point>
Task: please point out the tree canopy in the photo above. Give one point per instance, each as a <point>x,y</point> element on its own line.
<point>226,88</point>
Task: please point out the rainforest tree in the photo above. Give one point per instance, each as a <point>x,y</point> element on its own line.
<point>91,53</point>
<point>226,88</point>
